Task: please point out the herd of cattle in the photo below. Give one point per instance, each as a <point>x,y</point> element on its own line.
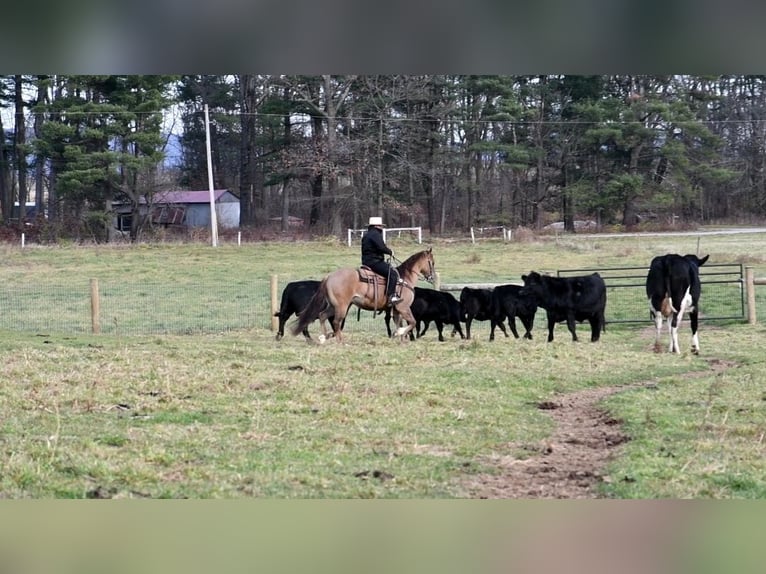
<point>672,289</point>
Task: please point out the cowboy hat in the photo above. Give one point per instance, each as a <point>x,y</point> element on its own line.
<point>377,221</point>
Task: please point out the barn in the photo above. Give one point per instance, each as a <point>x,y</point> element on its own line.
<point>185,208</point>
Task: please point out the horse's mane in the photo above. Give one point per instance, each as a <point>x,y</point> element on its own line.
<point>409,263</point>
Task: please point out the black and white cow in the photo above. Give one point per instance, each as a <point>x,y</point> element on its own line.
<point>570,299</point>
<point>673,288</point>
<point>295,296</point>
<point>441,307</point>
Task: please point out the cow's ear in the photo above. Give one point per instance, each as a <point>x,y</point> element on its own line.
<point>524,278</point>
<point>703,260</point>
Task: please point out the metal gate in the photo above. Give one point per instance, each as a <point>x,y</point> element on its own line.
<point>723,292</point>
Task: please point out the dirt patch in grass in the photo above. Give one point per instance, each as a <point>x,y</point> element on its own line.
<point>569,463</point>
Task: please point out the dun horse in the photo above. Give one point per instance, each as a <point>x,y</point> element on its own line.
<point>366,290</point>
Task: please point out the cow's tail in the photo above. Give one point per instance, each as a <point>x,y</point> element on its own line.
<point>316,305</point>
<point>667,309</point>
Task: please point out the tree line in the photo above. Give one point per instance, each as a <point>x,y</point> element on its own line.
<point>445,152</point>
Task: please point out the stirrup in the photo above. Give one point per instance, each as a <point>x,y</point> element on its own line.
<point>394,299</point>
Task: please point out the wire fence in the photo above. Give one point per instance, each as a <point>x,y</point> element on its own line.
<point>135,307</point>
<point>141,307</point>
<point>723,294</point>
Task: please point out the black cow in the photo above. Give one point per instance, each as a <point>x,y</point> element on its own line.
<point>295,296</point>
<point>478,304</point>
<point>510,303</point>
<point>673,287</point>
<point>570,299</point>
<point>441,307</point>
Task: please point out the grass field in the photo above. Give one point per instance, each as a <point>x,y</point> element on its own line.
<point>234,413</point>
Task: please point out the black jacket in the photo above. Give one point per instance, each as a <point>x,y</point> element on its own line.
<point>373,247</point>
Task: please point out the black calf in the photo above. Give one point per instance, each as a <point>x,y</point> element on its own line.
<point>569,299</point>
<point>441,307</point>
<point>295,296</point>
<point>478,304</point>
<point>510,303</point>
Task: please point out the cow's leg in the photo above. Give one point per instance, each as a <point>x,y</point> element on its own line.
<point>674,322</point>
<point>512,325</point>
<point>572,325</point>
<point>281,328</point>
<point>551,325</point>
<point>468,322</point>
<point>658,319</point>
<point>670,332</point>
<point>527,322</point>
<point>494,322</point>
<point>595,327</point>
<point>414,333</point>
<point>686,303</point>
<point>501,324</point>
<point>693,318</point>
<point>440,328</point>
<point>388,321</point>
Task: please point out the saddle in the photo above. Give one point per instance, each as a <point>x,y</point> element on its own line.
<point>367,275</point>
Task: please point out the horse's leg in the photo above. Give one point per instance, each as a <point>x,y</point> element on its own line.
<point>323,321</point>
<point>338,321</point>
<point>397,323</point>
<point>405,314</point>
<point>323,325</point>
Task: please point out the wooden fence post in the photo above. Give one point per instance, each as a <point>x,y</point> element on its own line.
<point>750,294</point>
<point>274,303</point>
<point>95,307</point>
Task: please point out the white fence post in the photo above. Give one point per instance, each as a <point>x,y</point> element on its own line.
<point>350,232</point>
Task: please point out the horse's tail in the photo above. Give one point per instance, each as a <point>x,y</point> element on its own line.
<point>316,305</point>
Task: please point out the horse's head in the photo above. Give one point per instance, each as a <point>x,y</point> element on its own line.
<point>429,267</point>
<point>421,263</point>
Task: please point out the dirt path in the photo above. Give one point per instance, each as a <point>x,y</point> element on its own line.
<point>570,462</point>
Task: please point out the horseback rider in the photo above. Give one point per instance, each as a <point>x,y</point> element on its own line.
<point>373,250</point>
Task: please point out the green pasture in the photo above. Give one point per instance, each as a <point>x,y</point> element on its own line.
<point>196,399</point>
<point>194,289</point>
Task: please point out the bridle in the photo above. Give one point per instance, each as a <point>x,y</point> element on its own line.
<point>431,271</point>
